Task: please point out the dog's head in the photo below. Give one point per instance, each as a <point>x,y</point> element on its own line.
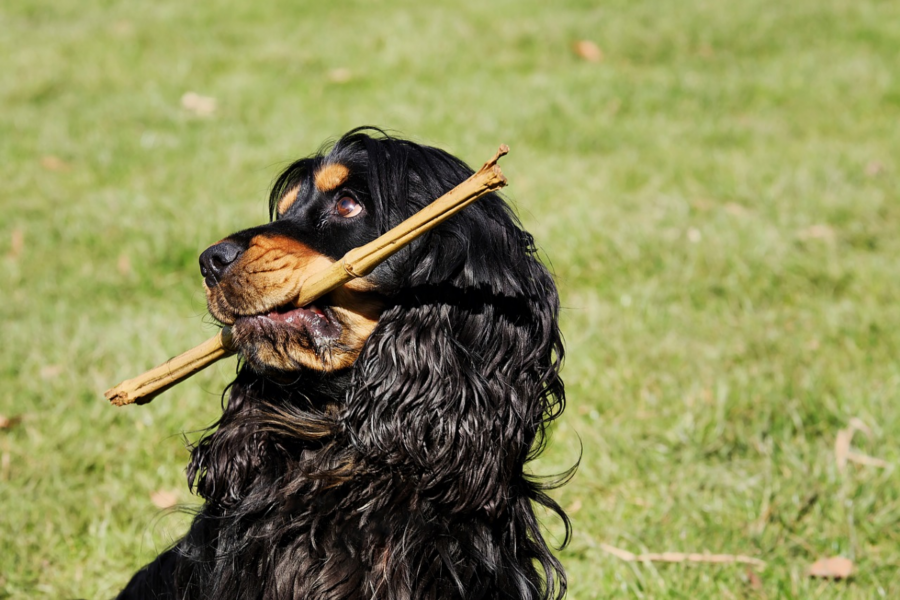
<point>321,207</point>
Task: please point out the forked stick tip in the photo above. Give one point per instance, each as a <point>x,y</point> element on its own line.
<point>493,168</point>
<point>503,150</point>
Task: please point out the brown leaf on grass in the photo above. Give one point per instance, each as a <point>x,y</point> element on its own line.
<point>818,231</point>
<point>9,422</point>
<point>51,371</point>
<point>123,264</point>
<point>874,168</point>
<point>836,567</point>
<point>16,243</point>
<point>574,507</point>
<point>340,75</point>
<point>754,580</point>
<point>202,106</point>
<point>703,204</point>
<point>588,50</point>
<point>738,210</point>
<point>693,235</point>
<point>122,28</point>
<point>54,163</point>
<point>164,498</point>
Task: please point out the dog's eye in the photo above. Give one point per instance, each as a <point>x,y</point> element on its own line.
<point>347,207</point>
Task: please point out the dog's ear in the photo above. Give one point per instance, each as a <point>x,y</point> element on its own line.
<point>457,383</point>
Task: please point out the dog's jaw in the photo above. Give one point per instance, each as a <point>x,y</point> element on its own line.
<point>256,295</point>
<point>287,339</point>
<point>325,336</point>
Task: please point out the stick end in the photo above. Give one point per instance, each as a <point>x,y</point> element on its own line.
<point>503,182</point>
<point>491,166</point>
<point>116,397</point>
<point>503,150</point>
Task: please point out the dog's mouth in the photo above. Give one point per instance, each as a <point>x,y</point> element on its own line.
<point>325,335</point>
<point>316,320</point>
<point>256,295</point>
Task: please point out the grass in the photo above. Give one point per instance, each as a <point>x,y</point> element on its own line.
<point>718,198</point>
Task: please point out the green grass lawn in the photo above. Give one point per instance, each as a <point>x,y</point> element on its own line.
<point>718,196</point>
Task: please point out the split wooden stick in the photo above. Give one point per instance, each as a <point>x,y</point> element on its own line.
<point>356,263</point>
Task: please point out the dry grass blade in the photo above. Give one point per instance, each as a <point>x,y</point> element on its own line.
<point>842,447</point>
<point>679,557</point>
<point>842,450</point>
<point>16,243</point>
<point>869,461</point>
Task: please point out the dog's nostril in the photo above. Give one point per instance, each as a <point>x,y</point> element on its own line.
<point>216,259</point>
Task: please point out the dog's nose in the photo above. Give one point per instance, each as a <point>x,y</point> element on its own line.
<point>215,260</point>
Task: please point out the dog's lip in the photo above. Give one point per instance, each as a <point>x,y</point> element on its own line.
<point>290,313</point>
<point>315,320</point>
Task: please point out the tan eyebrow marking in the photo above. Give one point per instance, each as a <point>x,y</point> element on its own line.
<point>330,176</point>
<point>287,200</point>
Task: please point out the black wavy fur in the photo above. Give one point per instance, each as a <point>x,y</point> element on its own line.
<point>403,476</point>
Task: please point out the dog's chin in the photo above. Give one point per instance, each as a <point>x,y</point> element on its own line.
<point>289,339</point>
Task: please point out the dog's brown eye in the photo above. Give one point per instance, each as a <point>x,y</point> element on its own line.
<point>348,207</point>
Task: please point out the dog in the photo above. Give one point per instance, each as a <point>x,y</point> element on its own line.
<point>373,443</point>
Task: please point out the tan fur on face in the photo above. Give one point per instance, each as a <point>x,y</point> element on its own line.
<point>269,274</point>
<point>358,313</point>
<point>330,176</point>
<point>287,200</point>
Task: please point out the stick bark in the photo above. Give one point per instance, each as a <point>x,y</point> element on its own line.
<point>356,263</point>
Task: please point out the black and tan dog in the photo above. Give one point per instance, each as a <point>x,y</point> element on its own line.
<point>373,443</point>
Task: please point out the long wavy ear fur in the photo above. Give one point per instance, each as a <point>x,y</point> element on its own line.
<point>456,386</point>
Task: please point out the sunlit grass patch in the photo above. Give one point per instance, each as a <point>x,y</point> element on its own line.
<point>717,194</point>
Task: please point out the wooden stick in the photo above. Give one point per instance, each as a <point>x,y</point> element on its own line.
<point>144,388</point>
<point>356,263</point>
